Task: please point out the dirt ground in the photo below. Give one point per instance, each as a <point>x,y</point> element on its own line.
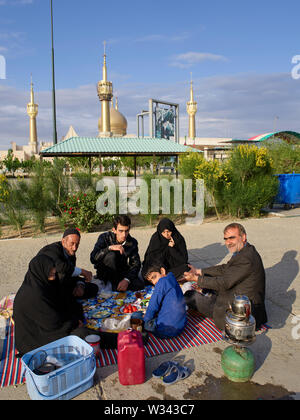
<point>276,351</point>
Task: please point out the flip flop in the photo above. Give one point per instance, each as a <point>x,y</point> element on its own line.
<point>163,369</point>
<point>177,373</point>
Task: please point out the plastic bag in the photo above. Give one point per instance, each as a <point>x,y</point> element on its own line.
<point>103,289</point>
<point>3,324</point>
<point>6,306</point>
<point>121,323</point>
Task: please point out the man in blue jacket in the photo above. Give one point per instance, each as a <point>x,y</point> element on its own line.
<point>166,313</point>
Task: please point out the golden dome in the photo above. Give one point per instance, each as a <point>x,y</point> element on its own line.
<point>118,123</point>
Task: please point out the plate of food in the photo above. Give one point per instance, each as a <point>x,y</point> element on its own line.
<point>129,309</point>
<point>145,303</point>
<point>130,299</point>
<point>140,295</point>
<point>100,300</point>
<point>101,314</point>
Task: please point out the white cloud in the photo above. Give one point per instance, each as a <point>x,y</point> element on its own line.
<point>238,106</point>
<point>190,58</point>
<point>15,2</point>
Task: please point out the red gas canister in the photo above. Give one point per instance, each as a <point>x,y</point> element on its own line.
<point>131,358</point>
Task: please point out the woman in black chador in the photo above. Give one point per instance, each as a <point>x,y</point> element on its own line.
<point>167,248</point>
<point>42,314</point>
<point>38,310</point>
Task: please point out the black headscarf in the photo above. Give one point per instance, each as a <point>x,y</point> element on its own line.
<point>38,273</point>
<point>159,252</point>
<point>37,313</point>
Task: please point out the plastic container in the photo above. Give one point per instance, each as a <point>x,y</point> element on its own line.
<point>131,358</point>
<point>136,324</point>
<point>94,341</point>
<point>76,367</point>
<point>289,189</point>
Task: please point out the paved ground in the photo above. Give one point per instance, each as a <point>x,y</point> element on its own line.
<point>281,210</point>
<point>276,352</point>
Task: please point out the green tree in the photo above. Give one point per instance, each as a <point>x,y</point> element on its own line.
<point>251,182</point>
<point>11,163</point>
<point>11,208</point>
<point>214,177</point>
<point>36,196</point>
<point>285,157</point>
<point>189,162</point>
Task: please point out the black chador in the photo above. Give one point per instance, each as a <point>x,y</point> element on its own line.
<point>38,314</point>
<point>174,259</point>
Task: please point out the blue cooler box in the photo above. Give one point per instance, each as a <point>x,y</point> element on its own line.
<point>289,189</point>
<point>75,372</point>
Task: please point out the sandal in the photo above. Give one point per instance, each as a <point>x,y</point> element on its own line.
<point>163,369</point>
<point>177,373</point>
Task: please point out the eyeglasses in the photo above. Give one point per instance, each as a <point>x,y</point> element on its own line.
<point>230,238</point>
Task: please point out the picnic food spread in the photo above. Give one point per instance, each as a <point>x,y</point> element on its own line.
<point>116,306</point>
<point>129,309</point>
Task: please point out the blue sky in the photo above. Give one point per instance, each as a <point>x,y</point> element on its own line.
<point>239,53</point>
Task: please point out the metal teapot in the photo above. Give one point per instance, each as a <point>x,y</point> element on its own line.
<point>240,325</point>
<point>241,307</point>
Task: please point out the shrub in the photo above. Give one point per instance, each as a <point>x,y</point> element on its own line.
<point>83,181</point>
<point>215,179</point>
<point>189,162</point>
<point>36,196</point>
<point>4,188</point>
<point>79,211</point>
<point>57,185</point>
<point>13,213</point>
<point>250,182</point>
<point>285,157</point>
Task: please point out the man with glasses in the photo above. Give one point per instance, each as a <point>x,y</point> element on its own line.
<point>244,274</point>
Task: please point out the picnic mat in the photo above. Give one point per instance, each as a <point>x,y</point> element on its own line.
<point>198,331</point>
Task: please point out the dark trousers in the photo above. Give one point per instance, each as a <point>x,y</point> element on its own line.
<point>179,270</point>
<point>200,303</point>
<point>114,268</point>
<point>90,289</point>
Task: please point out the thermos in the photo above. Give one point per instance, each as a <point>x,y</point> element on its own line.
<point>131,358</point>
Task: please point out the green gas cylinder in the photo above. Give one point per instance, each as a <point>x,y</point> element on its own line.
<point>238,363</point>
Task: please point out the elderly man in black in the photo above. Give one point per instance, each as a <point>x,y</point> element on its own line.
<point>73,280</point>
<point>244,274</point>
<point>116,257</point>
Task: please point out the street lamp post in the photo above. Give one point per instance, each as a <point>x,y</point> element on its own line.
<point>274,128</point>
<point>53,81</point>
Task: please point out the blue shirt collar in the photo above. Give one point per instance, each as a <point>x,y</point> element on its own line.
<point>236,253</point>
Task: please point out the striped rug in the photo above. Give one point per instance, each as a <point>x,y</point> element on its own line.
<point>199,331</point>
<point>10,366</point>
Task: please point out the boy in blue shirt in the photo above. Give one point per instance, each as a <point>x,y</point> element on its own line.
<point>166,314</point>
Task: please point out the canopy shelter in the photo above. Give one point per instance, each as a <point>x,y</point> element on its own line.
<point>115,147</point>
<point>291,137</point>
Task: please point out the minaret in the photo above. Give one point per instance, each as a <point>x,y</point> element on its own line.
<point>192,110</point>
<point>105,93</point>
<point>32,111</point>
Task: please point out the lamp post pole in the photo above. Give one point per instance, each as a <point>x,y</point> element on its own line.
<point>53,81</point>
<point>274,128</point>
